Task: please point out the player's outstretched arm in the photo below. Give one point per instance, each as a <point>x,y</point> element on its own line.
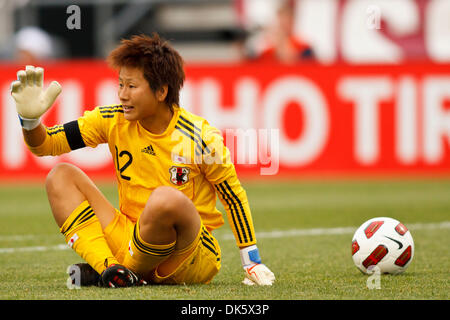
<point>32,101</point>
<point>222,175</point>
<point>255,271</point>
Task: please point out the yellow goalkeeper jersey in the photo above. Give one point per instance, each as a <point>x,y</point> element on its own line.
<point>190,156</point>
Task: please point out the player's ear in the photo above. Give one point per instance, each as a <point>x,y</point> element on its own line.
<point>161,93</point>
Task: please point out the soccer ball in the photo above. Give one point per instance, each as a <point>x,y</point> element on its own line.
<point>384,243</point>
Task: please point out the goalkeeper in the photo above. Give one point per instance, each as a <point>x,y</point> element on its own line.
<point>169,164</point>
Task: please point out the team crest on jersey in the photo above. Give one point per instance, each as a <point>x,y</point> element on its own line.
<point>179,175</point>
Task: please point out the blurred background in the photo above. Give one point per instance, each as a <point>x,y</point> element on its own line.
<point>334,111</point>
<point>299,88</point>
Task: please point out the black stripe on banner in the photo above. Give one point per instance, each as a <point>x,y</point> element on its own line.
<point>242,209</point>
<point>200,140</point>
<point>82,213</point>
<point>234,214</point>
<point>73,135</point>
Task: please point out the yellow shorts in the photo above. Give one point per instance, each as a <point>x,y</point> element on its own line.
<point>199,265</point>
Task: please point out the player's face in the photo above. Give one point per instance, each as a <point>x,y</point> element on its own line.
<point>137,98</point>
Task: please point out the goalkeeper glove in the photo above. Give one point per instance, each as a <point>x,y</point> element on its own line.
<point>32,101</point>
<point>255,271</point>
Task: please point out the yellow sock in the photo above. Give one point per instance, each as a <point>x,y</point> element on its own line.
<point>142,257</point>
<point>84,235</point>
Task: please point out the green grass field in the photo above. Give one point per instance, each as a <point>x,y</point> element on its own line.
<point>311,258</point>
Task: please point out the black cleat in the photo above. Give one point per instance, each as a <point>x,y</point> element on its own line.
<point>82,274</point>
<point>117,276</point>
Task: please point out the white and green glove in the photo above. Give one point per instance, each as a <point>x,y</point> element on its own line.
<point>255,271</point>
<point>32,101</point>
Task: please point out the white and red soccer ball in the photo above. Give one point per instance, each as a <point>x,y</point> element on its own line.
<point>384,243</point>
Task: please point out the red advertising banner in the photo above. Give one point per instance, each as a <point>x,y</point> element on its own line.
<point>277,120</point>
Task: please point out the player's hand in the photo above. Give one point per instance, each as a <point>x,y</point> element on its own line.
<point>258,274</point>
<point>255,272</point>
<point>32,101</point>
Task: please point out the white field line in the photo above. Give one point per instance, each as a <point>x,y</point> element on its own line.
<point>334,231</point>
<point>23,237</point>
<point>230,236</point>
<point>34,249</point>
